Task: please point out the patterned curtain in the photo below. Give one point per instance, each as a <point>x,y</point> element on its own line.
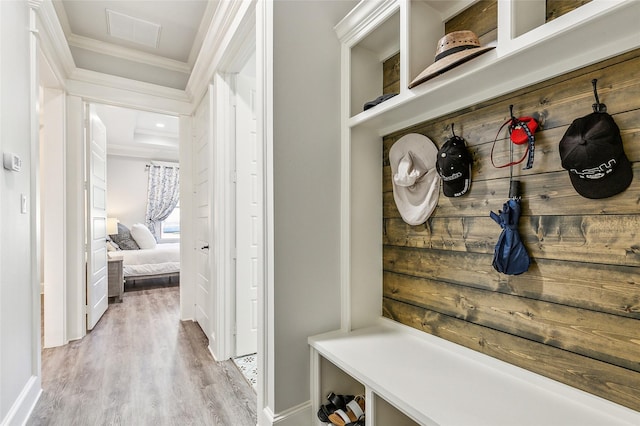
<point>163,195</point>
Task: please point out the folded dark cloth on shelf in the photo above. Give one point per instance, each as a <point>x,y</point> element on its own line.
<point>378,100</point>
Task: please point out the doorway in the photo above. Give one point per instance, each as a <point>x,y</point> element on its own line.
<point>248,217</point>
<point>237,205</point>
<point>143,171</point>
<point>135,139</point>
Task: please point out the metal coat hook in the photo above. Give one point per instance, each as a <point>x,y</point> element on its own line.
<point>597,107</point>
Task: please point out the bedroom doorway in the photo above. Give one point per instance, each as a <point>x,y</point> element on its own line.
<point>143,151</point>
<point>134,139</point>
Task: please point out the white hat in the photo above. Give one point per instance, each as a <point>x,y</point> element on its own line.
<point>416,183</point>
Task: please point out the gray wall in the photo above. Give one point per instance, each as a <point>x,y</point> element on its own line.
<point>18,351</point>
<point>306,182</point>
<point>127,182</point>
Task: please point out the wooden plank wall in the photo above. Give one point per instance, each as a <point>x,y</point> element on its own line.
<point>575,315</point>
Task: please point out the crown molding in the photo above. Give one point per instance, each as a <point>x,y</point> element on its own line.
<point>101,79</point>
<point>158,134</point>
<point>226,21</point>
<point>127,53</point>
<point>53,42</point>
<point>126,92</point>
<point>61,16</point>
<point>162,154</point>
<point>34,4</point>
<point>98,86</point>
<point>362,18</point>
<point>211,8</point>
<point>242,46</point>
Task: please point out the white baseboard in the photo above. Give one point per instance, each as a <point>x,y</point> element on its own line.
<point>22,408</point>
<point>300,415</point>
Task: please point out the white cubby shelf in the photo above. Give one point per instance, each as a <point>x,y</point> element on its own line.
<point>527,51</point>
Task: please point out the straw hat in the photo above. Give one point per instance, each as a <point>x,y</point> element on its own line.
<point>453,49</point>
<point>416,183</point>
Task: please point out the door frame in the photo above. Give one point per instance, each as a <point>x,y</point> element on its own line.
<point>74,286</point>
<point>223,214</point>
<point>240,50</point>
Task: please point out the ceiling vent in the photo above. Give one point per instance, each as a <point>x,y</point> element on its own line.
<point>133,29</point>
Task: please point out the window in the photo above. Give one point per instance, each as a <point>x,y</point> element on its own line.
<point>170,227</point>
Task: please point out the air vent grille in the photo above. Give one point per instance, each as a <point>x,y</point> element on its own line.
<point>133,29</point>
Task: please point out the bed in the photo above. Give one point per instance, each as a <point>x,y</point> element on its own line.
<point>161,261</point>
<point>145,260</point>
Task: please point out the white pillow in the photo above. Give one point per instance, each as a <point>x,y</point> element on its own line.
<point>143,236</point>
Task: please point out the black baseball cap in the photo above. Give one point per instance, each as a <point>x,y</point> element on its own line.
<point>453,164</point>
<point>592,151</point>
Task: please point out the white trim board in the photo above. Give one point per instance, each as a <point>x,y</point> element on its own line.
<point>21,409</point>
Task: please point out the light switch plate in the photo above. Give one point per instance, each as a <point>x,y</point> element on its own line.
<point>23,203</point>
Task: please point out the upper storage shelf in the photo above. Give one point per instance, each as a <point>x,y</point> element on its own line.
<point>532,45</point>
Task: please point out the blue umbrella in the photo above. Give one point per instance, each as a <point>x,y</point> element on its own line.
<point>510,255</point>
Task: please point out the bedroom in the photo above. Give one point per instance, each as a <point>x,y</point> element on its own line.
<point>140,146</point>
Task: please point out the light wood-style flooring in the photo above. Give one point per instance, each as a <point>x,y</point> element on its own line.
<point>142,366</point>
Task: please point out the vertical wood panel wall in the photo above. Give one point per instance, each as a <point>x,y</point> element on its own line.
<point>575,315</point>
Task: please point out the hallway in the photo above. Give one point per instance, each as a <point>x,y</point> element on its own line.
<point>142,366</point>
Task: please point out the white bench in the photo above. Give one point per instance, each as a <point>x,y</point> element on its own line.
<point>411,377</point>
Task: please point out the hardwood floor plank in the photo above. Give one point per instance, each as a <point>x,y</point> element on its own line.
<point>142,366</point>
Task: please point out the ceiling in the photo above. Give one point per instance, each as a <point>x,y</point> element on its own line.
<point>150,41</point>
<point>119,37</point>
<point>134,133</point>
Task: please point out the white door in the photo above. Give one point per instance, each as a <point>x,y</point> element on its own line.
<point>202,184</point>
<point>248,217</point>
<point>97,298</point>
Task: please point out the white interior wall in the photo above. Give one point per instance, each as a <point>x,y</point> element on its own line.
<point>127,182</point>
<point>306,188</point>
<point>53,215</point>
<point>19,375</point>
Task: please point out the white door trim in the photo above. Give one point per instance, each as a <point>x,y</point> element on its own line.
<point>239,49</point>
<point>187,238</point>
<point>264,127</point>
<point>223,238</point>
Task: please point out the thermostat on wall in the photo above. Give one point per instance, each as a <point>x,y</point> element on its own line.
<point>11,161</point>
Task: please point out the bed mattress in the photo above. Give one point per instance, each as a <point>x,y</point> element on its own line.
<point>163,259</point>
